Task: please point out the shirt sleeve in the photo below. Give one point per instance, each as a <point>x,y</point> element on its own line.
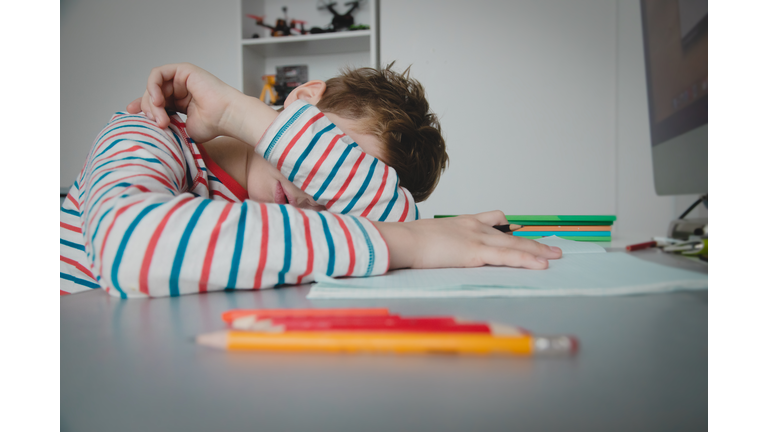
<point>318,157</point>
<point>150,228</point>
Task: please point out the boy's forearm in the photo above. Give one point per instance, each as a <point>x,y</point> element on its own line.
<point>247,118</point>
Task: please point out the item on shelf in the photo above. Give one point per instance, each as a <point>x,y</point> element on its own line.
<point>269,87</point>
<point>288,78</point>
<point>281,27</point>
<point>340,22</point>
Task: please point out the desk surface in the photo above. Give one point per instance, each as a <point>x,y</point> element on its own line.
<point>129,365</point>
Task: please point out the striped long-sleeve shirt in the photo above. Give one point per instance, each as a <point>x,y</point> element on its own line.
<point>318,157</point>
<point>151,215</point>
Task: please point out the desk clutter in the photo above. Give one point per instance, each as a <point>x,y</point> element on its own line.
<point>587,228</point>
<point>376,330</point>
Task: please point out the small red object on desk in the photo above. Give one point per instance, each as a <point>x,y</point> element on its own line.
<point>639,246</point>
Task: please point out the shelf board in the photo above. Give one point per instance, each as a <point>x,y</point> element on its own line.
<point>312,44</point>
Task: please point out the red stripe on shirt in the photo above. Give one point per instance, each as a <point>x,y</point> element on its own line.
<point>350,244</point>
<point>160,173</point>
<point>296,138</point>
<point>63,293</point>
<point>132,149</point>
<point>236,188</point>
<point>217,193</point>
<point>70,227</point>
<point>257,281</point>
<point>212,248</point>
<point>310,247</point>
<point>378,193</point>
<point>405,210</point>
<point>157,141</point>
<point>101,204</point>
<point>320,162</point>
<point>72,200</point>
<point>150,252</point>
<point>77,265</point>
<point>109,230</point>
<point>346,182</point>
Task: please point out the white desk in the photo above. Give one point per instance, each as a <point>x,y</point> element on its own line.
<point>131,365</point>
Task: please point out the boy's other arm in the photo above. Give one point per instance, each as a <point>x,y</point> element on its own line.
<point>463,241</point>
<point>213,108</point>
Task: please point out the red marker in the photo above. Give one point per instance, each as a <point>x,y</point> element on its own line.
<point>640,246</point>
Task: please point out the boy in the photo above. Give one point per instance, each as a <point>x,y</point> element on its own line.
<point>152,221</point>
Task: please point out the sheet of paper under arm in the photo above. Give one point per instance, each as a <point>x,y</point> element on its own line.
<point>576,274</point>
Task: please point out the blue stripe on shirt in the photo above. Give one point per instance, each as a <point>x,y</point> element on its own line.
<point>238,252</point>
<point>83,282</point>
<point>72,212</point>
<point>72,245</point>
<point>390,205</point>
<point>334,171</point>
<point>178,260</point>
<point>124,243</point>
<point>331,248</point>
<point>362,188</point>
<point>287,243</point>
<point>282,130</point>
<point>371,253</point>
<point>307,150</point>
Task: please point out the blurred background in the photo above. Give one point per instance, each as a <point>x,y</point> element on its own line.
<point>542,102</point>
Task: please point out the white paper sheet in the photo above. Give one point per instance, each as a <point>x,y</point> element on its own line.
<point>571,246</point>
<point>576,274</point>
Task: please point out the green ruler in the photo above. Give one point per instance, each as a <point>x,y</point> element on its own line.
<point>556,219</point>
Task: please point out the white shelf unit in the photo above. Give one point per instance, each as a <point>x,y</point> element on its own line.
<point>324,54</point>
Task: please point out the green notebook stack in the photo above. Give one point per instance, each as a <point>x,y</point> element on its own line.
<point>591,228</point>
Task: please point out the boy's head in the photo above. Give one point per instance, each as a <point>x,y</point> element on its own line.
<point>388,115</point>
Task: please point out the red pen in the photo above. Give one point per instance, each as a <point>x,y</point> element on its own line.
<point>639,246</point>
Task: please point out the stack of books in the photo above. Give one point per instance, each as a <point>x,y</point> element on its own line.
<point>591,228</point>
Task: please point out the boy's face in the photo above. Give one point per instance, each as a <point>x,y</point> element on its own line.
<point>267,184</point>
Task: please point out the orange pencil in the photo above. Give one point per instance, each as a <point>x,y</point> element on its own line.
<point>233,314</point>
<point>565,228</point>
<point>402,343</point>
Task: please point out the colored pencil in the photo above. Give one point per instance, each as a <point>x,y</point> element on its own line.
<point>508,227</point>
<point>565,228</point>
<point>276,325</point>
<point>563,233</point>
<point>639,246</point>
<point>231,315</point>
<point>455,343</point>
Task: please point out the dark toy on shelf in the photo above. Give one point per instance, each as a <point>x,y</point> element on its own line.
<point>340,21</point>
<point>281,27</point>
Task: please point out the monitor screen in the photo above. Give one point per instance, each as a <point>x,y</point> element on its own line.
<point>675,40</point>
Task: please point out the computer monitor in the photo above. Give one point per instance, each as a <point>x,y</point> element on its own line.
<point>675,39</point>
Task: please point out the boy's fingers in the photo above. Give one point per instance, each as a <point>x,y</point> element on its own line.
<point>501,256</point>
<point>134,107</point>
<point>492,218</point>
<point>534,247</point>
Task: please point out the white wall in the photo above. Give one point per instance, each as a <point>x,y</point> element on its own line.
<point>542,101</point>
<point>108,48</point>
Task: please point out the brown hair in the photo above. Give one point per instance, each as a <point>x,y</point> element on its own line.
<point>393,107</point>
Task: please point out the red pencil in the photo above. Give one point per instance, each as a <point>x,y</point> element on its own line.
<point>418,325</point>
<point>639,246</point>
<point>367,320</point>
<point>233,314</point>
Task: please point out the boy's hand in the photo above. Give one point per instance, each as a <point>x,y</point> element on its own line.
<point>206,100</point>
<point>463,241</point>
